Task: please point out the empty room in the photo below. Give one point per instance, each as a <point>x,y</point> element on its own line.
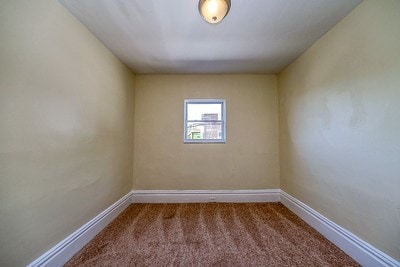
<point>199,133</point>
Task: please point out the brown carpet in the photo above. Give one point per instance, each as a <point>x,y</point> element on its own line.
<point>209,234</point>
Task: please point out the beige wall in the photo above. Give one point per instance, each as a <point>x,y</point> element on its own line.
<point>66,118</point>
<point>340,125</point>
<point>248,160</point>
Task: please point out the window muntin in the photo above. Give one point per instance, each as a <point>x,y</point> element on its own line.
<point>204,121</point>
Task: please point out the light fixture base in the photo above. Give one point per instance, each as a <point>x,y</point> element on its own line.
<point>214,11</point>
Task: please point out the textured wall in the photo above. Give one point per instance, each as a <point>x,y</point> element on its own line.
<point>66,118</point>
<point>248,160</point>
<point>340,128</point>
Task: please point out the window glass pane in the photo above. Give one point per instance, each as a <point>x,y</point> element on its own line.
<point>204,130</point>
<point>204,111</point>
<point>204,121</point>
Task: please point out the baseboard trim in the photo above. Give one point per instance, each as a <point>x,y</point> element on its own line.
<point>358,249</point>
<point>200,196</point>
<point>64,250</point>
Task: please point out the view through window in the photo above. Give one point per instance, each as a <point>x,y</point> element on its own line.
<point>204,121</point>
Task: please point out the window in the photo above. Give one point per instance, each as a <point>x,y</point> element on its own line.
<point>205,121</point>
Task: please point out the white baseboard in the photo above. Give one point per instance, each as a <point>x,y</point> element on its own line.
<point>358,249</point>
<point>200,196</point>
<point>63,251</point>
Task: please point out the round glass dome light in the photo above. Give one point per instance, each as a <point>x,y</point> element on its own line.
<point>213,11</point>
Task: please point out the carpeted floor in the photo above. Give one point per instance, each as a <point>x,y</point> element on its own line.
<point>209,234</point>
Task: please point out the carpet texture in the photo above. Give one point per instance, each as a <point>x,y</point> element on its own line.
<point>209,234</point>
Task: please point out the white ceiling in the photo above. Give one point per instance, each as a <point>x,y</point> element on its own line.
<point>169,36</point>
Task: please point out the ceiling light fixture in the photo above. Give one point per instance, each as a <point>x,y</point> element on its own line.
<point>213,11</point>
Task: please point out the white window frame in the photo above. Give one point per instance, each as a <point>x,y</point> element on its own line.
<point>222,121</point>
